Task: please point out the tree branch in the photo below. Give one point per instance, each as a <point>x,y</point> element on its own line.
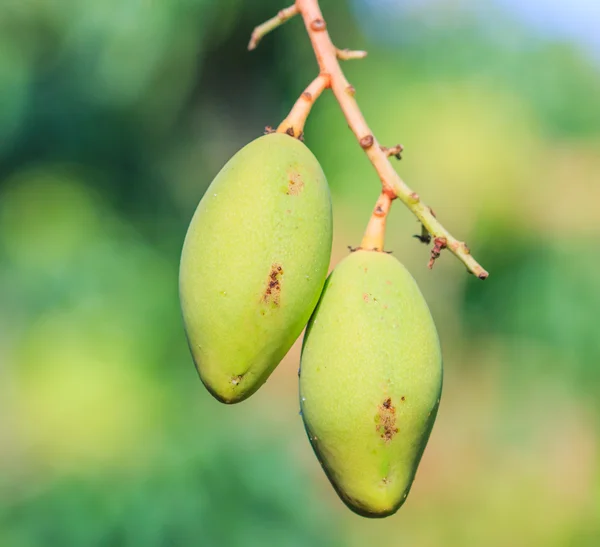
<point>393,186</point>
<point>262,30</point>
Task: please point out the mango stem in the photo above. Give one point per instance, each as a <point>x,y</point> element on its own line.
<point>293,125</point>
<point>374,237</point>
<point>328,56</point>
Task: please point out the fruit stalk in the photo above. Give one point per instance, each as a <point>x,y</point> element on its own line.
<point>374,237</point>
<point>328,59</point>
<point>293,125</point>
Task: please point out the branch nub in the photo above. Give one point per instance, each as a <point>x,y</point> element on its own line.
<point>439,243</point>
<point>318,25</point>
<point>395,151</point>
<point>349,54</point>
<point>366,142</point>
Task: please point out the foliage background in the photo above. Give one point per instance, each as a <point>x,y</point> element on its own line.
<point>114,118</point>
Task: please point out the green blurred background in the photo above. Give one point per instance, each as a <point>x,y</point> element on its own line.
<point>114,118</point>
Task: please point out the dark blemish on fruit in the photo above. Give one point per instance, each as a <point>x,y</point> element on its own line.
<point>235,380</point>
<point>295,184</point>
<point>386,425</point>
<point>272,292</point>
<point>403,398</point>
<point>386,480</point>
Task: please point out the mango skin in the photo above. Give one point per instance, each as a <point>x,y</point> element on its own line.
<point>254,262</point>
<point>370,381</point>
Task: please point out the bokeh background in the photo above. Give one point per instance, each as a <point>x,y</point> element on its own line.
<point>114,118</point>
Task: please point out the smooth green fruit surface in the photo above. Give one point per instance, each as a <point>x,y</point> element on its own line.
<point>370,381</point>
<point>254,262</point>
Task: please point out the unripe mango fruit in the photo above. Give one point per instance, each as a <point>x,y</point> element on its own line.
<point>370,381</point>
<point>254,262</point>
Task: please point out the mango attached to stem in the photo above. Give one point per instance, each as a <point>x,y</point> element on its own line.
<point>254,262</point>
<point>370,381</point>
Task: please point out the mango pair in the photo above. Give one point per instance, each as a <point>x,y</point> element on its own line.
<point>253,274</point>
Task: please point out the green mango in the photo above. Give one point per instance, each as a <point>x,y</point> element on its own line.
<point>370,381</point>
<point>254,262</point>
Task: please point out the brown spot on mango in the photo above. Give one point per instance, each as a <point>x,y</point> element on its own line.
<point>295,184</point>
<point>235,380</point>
<point>272,292</point>
<point>386,420</point>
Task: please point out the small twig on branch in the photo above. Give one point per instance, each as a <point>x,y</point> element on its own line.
<point>349,54</point>
<point>439,243</point>
<point>262,30</point>
<point>392,185</point>
<point>395,151</point>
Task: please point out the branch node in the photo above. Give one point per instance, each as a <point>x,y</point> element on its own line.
<point>390,192</point>
<point>318,25</point>
<point>414,198</point>
<point>367,141</point>
<point>350,90</point>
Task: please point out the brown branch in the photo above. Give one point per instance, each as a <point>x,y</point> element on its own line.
<point>392,185</point>
<point>261,30</point>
